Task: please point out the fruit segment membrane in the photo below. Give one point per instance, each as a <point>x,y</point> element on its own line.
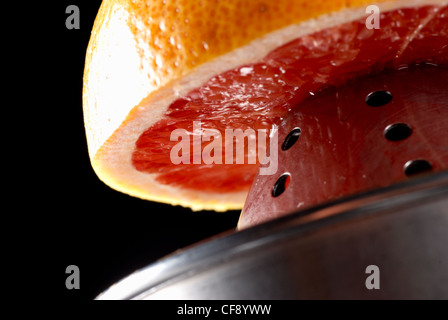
<point>256,96</point>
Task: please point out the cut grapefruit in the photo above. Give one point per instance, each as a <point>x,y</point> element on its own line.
<point>156,66</point>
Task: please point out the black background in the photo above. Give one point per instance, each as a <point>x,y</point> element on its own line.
<point>105,233</point>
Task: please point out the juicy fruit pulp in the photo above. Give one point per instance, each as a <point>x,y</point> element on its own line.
<point>259,95</point>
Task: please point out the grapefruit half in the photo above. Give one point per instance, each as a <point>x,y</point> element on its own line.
<point>156,66</point>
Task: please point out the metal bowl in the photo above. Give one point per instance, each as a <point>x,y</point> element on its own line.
<point>390,243</point>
